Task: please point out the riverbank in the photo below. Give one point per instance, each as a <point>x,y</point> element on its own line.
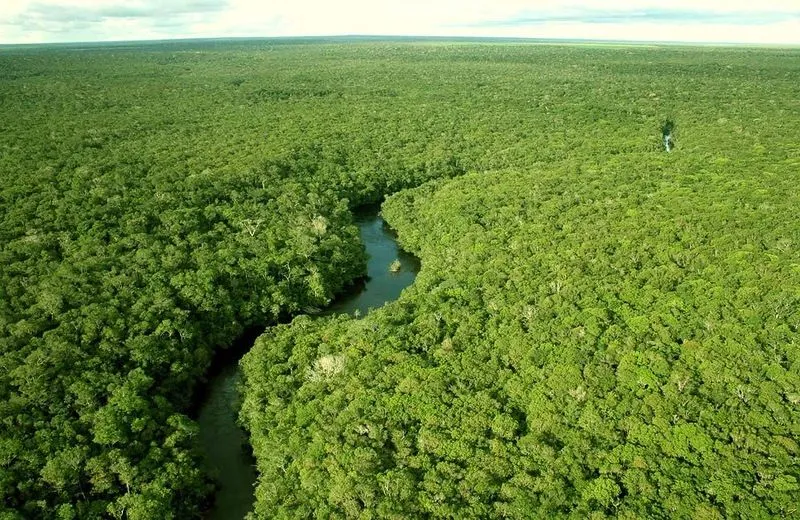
<point>225,444</point>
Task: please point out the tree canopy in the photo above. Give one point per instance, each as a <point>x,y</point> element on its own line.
<point>599,328</point>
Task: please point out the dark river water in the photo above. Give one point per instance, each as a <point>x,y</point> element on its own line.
<point>224,443</point>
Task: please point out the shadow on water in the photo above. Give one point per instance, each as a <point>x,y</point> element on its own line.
<point>227,451</point>
<point>225,445</point>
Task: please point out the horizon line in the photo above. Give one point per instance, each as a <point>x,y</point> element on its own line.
<point>379,37</point>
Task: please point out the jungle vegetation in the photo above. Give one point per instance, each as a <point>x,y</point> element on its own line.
<point>599,328</point>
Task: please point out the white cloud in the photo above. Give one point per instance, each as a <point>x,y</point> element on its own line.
<point>767,21</point>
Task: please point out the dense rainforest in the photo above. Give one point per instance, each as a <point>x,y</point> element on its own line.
<point>600,327</point>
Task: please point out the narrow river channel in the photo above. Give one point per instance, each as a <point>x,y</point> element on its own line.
<point>224,443</point>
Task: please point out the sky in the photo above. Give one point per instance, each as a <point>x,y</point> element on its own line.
<point>732,21</point>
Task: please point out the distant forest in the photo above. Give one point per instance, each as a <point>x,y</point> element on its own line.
<point>600,328</point>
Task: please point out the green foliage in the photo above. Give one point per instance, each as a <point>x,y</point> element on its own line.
<point>580,350</point>
<point>598,328</point>
<point>105,344</point>
<point>606,335</point>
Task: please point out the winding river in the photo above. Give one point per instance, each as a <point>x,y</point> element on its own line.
<point>224,443</point>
